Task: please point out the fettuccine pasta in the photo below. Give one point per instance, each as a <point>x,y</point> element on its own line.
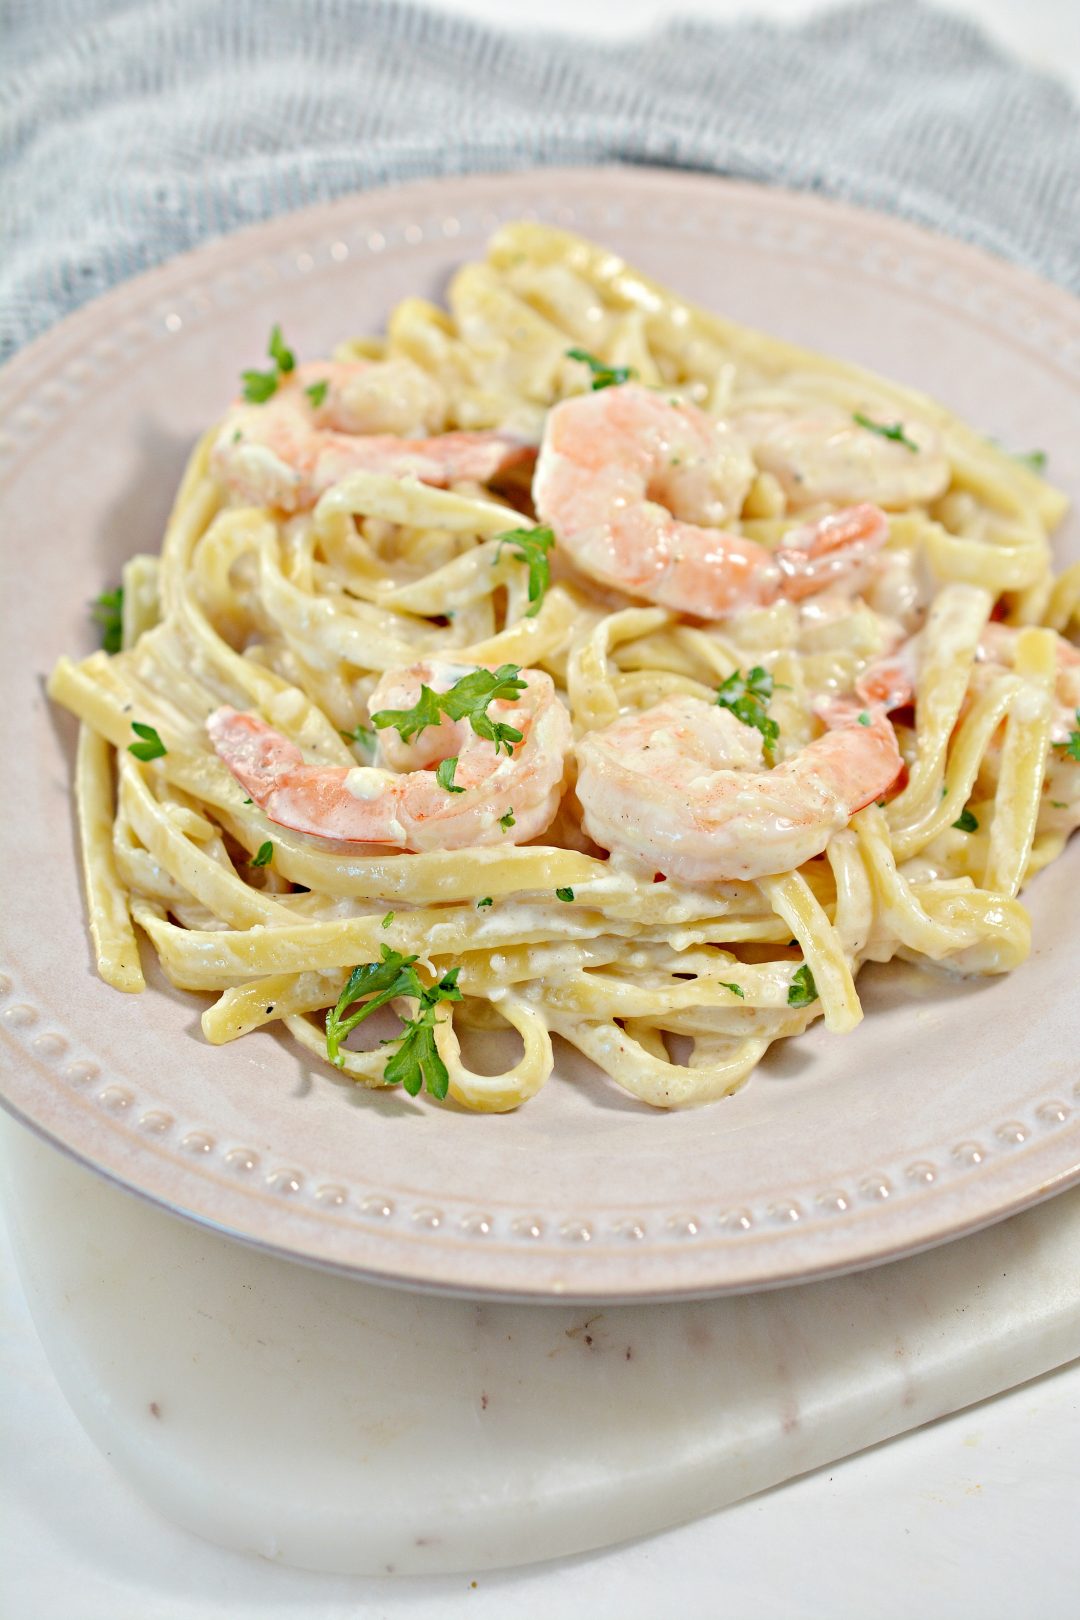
<point>758,673</point>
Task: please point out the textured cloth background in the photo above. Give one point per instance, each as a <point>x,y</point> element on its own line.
<point>132,129</point>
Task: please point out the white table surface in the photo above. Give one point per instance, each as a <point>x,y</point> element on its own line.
<point>974,1515</point>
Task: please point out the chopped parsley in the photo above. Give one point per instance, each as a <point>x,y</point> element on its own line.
<point>387,920</point>
<point>564,894</point>
<point>316,392</point>
<point>259,386</point>
<point>370,986</point>
<point>150,746</point>
<point>603,375</point>
<point>363,736</point>
<point>966,822</point>
<point>108,611</point>
<point>445,775</point>
<point>507,821</point>
<point>802,990</point>
<point>864,718</point>
<point>1059,804</point>
<point>1035,460</point>
<point>468,699</point>
<point>747,696</point>
<point>282,357</point>
<point>264,854</point>
<point>416,1061</point>
<point>531,546</point>
<point>887,430</point>
<point>736,989</point>
<point>1071,748</point>
<point>486,901</point>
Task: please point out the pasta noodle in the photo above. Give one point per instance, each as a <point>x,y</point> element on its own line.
<point>294,610</point>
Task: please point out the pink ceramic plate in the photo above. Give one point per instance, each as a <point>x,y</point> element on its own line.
<point>952,1105</point>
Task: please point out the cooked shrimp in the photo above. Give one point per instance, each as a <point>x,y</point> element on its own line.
<point>399,800</point>
<point>681,788</point>
<point>827,455</point>
<point>373,416</point>
<point>614,468</point>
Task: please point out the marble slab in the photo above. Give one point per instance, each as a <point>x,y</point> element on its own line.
<point>342,1426</point>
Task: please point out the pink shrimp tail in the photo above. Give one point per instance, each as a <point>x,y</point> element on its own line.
<point>255,754</point>
<point>821,554</point>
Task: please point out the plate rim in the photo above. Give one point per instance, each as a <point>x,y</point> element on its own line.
<point>566,1270</point>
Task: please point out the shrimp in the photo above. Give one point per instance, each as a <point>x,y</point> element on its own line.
<point>616,465</point>
<point>372,416</point>
<point>830,456</point>
<point>399,801</point>
<point>681,788</point>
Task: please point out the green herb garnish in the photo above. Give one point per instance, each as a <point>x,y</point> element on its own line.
<point>151,746</point>
<point>373,984</point>
<point>486,901</point>
<point>316,392</point>
<point>887,430</point>
<point>564,894</point>
<point>736,989</point>
<point>1071,748</point>
<point>264,854</point>
<point>387,920</point>
<point>531,546</point>
<point>1034,459</point>
<point>507,821</point>
<point>747,696</point>
<point>603,375</point>
<point>445,775</point>
<point>468,699</point>
<point>259,386</point>
<point>966,822</point>
<point>108,611</point>
<point>363,735</point>
<point>416,1061</point>
<point>864,718</point>
<point>802,990</point>
<point>282,357</point>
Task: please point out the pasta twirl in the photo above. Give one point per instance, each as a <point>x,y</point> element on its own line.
<point>360,520</point>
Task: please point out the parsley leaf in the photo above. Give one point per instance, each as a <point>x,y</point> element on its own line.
<point>317,392</point>
<point>864,718</point>
<point>108,611</point>
<point>487,901</point>
<point>966,822</point>
<point>408,723</point>
<point>362,735</point>
<point>531,546</point>
<point>387,920</point>
<point>259,386</point>
<point>564,894</point>
<point>151,746</point>
<point>468,699</point>
<point>445,775</point>
<point>736,990</point>
<point>603,376</point>
<point>507,821</point>
<point>1071,748</point>
<point>416,1061</point>
<point>747,696</point>
<point>887,430</point>
<point>802,990</point>
<point>282,357</point>
<point>1034,459</point>
<point>373,984</point>
<point>264,855</point>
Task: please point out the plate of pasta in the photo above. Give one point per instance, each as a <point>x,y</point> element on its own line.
<point>544,735</point>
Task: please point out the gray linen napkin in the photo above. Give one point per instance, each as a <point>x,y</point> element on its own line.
<point>133,129</point>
